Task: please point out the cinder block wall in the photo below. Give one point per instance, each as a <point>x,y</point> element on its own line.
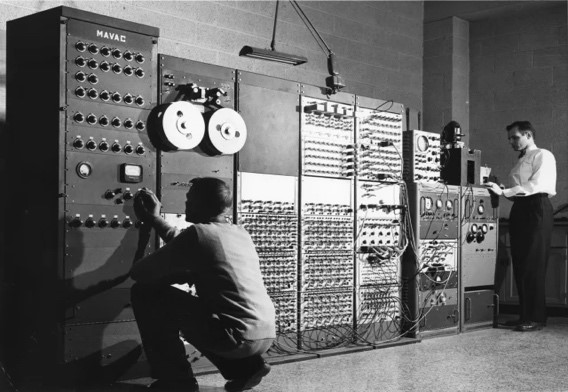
<point>519,71</point>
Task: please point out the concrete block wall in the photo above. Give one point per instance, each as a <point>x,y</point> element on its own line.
<point>519,71</point>
<point>446,74</point>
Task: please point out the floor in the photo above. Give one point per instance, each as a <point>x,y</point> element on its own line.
<point>480,360</point>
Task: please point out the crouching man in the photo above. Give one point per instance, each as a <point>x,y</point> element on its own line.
<point>231,320</point>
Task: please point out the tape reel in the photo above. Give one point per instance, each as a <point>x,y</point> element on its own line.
<point>182,125</point>
<point>226,132</point>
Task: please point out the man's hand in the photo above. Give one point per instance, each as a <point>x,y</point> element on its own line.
<point>494,188</point>
<point>146,205</point>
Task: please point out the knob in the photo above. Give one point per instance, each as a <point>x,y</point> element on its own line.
<point>128,195</point>
<point>91,145</point>
<point>81,46</point>
<point>139,100</point>
<point>93,48</point>
<point>116,68</point>
<point>103,146</point>
<point>78,143</point>
<point>128,55</point>
<point>116,122</point>
<point>116,147</point>
<point>128,123</point>
<point>128,98</point>
<point>80,61</point>
<point>79,117</point>
<point>139,72</point>
<point>103,120</point>
<point>480,209</point>
<point>114,223</point>
<point>116,53</point>
<point>480,236</point>
<point>93,79</point>
<point>105,95</point>
<point>103,222</point>
<point>140,125</point>
<point>105,51</point>
<point>80,76</point>
<point>80,92</point>
<point>93,64</point>
<point>128,149</point>
<point>116,97</point>
<point>119,201</point>
<point>104,66</point>
<point>128,70</point>
<point>76,222</point>
<point>93,93</point>
<point>139,57</point>
<point>140,150</point>
<point>127,223</point>
<point>90,222</point>
<point>91,118</point>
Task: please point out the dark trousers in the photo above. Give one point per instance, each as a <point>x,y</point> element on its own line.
<point>530,229</point>
<point>162,312</point>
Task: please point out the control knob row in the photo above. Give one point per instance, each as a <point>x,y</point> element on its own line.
<point>104,121</point>
<point>106,95</point>
<point>90,222</point>
<point>104,146</point>
<point>106,52</point>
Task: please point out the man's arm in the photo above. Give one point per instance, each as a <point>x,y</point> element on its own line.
<point>542,180</point>
<point>147,208</point>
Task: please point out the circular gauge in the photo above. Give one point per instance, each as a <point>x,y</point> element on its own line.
<point>422,143</point>
<point>84,169</point>
<point>427,203</point>
<point>484,229</point>
<point>473,228</point>
<point>439,203</point>
<point>480,209</point>
<point>449,204</point>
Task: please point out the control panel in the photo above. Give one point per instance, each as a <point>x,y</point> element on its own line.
<point>327,131</point>
<point>379,144</point>
<point>479,237</point>
<point>267,209</point>
<point>421,152</point>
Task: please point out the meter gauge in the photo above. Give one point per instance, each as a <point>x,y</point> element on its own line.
<point>428,203</point>
<point>84,169</point>
<point>480,209</point>
<point>439,204</point>
<point>422,143</point>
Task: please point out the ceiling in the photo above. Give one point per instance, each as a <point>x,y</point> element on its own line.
<point>479,10</point>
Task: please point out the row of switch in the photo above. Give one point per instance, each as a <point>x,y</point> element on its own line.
<point>106,96</point>
<point>103,222</point>
<point>106,52</point>
<point>104,121</point>
<point>104,66</point>
<point>105,146</point>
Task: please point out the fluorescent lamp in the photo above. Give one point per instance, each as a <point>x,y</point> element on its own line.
<point>272,55</point>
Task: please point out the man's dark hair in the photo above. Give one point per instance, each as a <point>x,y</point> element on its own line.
<point>213,194</point>
<point>524,128</point>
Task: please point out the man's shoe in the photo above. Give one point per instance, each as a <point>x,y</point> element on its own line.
<point>529,327</point>
<point>185,385</point>
<point>242,384</point>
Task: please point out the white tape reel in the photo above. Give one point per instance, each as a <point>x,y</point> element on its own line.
<point>183,125</point>
<point>226,132</point>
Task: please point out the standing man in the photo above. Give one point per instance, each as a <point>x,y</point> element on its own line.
<point>231,321</point>
<point>532,181</point>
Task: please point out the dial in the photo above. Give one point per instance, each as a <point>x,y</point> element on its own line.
<point>439,203</point>
<point>428,203</point>
<point>474,228</point>
<point>449,204</point>
<point>480,209</point>
<point>422,143</point>
<point>84,169</point>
